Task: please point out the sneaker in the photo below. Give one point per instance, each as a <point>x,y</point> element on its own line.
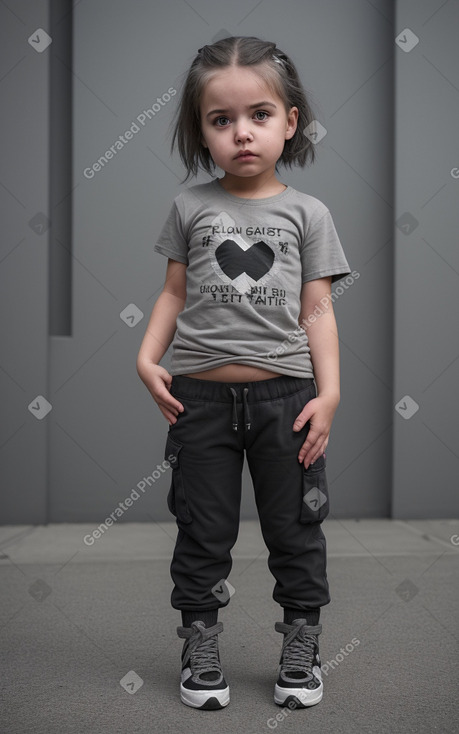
<point>300,677</point>
<point>202,683</point>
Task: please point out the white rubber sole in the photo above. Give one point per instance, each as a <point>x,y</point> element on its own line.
<point>303,695</point>
<point>205,699</point>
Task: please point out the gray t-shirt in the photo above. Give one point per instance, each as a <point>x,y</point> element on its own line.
<point>246,261</point>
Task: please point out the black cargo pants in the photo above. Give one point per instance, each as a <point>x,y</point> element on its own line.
<point>205,449</point>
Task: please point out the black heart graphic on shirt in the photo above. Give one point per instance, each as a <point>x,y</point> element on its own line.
<point>233,260</point>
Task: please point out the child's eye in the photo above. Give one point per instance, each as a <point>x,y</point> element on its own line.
<point>260,112</point>
<point>218,121</point>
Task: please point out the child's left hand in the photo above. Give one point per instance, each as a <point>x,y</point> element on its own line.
<point>320,411</point>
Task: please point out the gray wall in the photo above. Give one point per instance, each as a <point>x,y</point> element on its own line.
<point>389,150</point>
<point>426,273</point>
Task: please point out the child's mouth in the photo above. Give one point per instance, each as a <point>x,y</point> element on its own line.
<point>245,155</point>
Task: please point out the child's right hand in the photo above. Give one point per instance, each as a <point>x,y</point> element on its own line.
<point>158,381</point>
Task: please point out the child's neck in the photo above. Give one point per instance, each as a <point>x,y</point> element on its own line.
<point>254,187</point>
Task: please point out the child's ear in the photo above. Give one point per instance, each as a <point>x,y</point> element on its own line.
<point>292,122</point>
<point>203,143</point>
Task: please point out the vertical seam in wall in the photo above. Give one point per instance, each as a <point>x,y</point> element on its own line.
<point>394,256</point>
<point>48,435</point>
<point>60,147</point>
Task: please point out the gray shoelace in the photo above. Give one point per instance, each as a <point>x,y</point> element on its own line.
<point>298,647</point>
<point>202,649</point>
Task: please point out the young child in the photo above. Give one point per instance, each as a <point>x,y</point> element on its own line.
<point>247,307</point>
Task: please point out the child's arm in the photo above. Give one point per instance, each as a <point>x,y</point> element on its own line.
<point>158,337</point>
<point>322,335</point>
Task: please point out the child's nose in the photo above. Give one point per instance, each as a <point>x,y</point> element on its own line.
<point>243,132</point>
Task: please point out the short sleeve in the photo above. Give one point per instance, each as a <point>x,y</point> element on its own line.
<point>172,241</point>
<point>321,253</point>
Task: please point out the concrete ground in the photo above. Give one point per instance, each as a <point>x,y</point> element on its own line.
<point>88,638</point>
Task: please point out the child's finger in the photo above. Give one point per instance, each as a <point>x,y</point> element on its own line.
<point>310,447</point>
<point>303,417</point>
<point>168,401</point>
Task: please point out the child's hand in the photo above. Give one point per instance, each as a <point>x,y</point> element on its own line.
<point>158,381</point>
<point>320,411</point>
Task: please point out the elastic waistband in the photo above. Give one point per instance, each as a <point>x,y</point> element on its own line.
<point>274,387</point>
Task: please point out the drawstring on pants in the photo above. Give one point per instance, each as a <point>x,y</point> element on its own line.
<point>246,408</point>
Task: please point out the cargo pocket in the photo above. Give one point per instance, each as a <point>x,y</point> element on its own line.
<point>176,498</point>
<point>315,505</point>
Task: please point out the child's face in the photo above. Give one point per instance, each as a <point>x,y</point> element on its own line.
<point>238,113</point>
